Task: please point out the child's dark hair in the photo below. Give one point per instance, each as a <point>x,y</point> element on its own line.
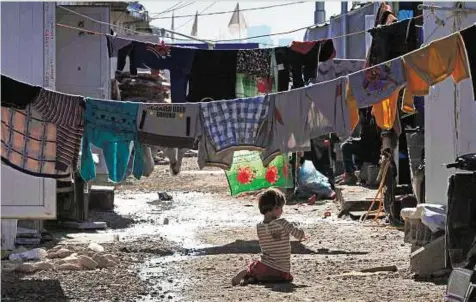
<point>270,199</point>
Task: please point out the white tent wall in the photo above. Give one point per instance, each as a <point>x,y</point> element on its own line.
<point>450,110</point>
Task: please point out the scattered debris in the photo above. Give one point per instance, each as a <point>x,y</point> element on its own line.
<point>164,196</point>
<point>389,268</point>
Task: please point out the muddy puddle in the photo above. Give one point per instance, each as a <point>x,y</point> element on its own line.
<point>197,223</point>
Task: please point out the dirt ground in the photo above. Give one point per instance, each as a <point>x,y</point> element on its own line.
<point>188,249</point>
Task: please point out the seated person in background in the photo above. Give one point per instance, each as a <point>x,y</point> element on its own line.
<point>366,147</point>
<point>274,235</point>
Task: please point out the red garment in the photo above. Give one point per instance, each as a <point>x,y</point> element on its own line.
<point>263,273</point>
<point>303,47</point>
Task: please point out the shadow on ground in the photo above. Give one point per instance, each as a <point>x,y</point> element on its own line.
<point>15,289</point>
<point>252,247</point>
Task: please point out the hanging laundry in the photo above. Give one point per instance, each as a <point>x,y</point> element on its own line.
<point>372,85</point>
<point>289,112</point>
<point>66,112</point>
<point>304,57</point>
<point>29,144</point>
<point>254,62</point>
<point>333,69</point>
<point>111,126</point>
<point>213,75</point>
<point>469,35</point>
<point>237,124</point>
<point>122,48</point>
<point>208,157</point>
<point>168,125</point>
<point>432,64</point>
<point>328,111</point>
<point>17,94</point>
<point>282,68</point>
<point>179,62</point>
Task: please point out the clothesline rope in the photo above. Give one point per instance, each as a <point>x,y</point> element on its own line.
<point>131,30</point>
<point>362,70</point>
<point>331,38</point>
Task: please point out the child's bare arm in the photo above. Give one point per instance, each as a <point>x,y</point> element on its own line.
<point>289,228</point>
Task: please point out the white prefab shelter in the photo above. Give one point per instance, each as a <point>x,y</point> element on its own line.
<point>28,54</point>
<point>450,110</point>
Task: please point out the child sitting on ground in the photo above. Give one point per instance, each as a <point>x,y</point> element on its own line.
<point>274,235</point>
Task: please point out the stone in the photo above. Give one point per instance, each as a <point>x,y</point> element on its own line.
<point>101,198</point>
<point>70,267</point>
<point>26,268</point>
<point>429,259</point>
<point>96,247</point>
<point>102,261</point>
<point>87,262</point>
<point>44,266</point>
<point>63,253</point>
<point>112,258</point>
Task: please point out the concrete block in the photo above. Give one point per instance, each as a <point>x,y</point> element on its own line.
<point>429,258</point>
<point>101,198</point>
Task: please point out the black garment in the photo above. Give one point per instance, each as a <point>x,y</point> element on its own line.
<point>213,75</point>
<point>282,60</point>
<point>304,65</point>
<point>122,48</point>
<point>17,94</point>
<point>469,38</point>
<point>460,213</point>
<point>393,40</point>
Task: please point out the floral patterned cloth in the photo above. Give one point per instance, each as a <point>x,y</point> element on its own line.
<point>254,62</point>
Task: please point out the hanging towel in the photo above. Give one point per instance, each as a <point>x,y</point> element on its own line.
<point>333,69</point>
<point>469,35</point>
<point>29,144</point>
<point>378,86</point>
<point>111,126</point>
<point>329,112</point>
<point>304,56</point>
<point>168,125</point>
<point>179,62</point>
<point>235,124</point>
<point>213,75</point>
<point>17,94</point>
<point>66,112</point>
<point>432,64</point>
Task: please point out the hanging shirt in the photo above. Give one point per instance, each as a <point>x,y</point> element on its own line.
<point>469,35</point>
<point>17,94</point>
<point>178,62</point>
<point>329,112</point>
<point>282,56</point>
<point>290,124</point>
<point>434,63</point>
<point>333,69</point>
<point>303,59</point>
<point>235,124</point>
<point>213,75</point>
<point>168,125</point>
<point>111,126</point>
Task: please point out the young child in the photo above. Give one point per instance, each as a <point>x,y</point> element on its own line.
<point>273,234</point>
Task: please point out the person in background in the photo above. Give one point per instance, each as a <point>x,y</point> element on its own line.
<point>365,148</point>
<point>274,239</point>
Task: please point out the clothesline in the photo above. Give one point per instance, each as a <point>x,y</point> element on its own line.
<point>124,28</point>
<point>135,40</point>
<point>284,92</point>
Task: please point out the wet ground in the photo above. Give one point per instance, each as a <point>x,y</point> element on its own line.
<point>188,249</point>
